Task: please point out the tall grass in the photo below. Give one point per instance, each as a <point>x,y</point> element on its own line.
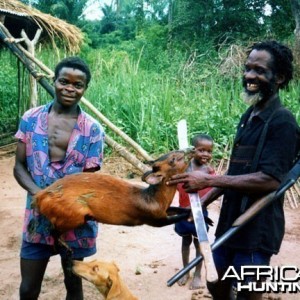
<point>9,107</point>
<point>148,104</point>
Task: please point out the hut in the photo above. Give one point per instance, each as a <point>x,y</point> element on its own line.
<point>17,16</point>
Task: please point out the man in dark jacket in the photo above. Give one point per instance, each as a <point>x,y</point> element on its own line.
<point>265,147</point>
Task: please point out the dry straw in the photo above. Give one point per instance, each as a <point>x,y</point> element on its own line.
<point>69,34</point>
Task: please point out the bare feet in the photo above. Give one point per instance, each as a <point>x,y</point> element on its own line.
<point>183,280</point>
<point>201,294</point>
<point>197,295</point>
<point>195,284</point>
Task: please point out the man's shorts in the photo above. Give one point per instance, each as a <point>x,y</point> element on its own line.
<point>36,251</point>
<point>224,257</point>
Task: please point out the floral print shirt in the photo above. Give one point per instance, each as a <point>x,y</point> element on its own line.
<point>85,151</point>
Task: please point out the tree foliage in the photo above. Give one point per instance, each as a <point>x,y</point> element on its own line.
<point>185,25</point>
<point>68,10</point>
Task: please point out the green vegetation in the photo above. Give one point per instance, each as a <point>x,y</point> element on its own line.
<point>156,62</point>
<point>147,105</point>
<point>9,96</point>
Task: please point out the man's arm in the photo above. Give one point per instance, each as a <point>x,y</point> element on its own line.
<point>257,182</point>
<point>21,173</point>
<point>211,196</point>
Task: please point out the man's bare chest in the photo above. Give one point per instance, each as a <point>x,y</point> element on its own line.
<point>59,132</point>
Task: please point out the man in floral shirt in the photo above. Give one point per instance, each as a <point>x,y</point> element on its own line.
<point>55,140</point>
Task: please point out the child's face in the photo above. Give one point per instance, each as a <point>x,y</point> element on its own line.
<point>203,151</point>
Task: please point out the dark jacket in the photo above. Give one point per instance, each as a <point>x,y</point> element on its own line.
<point>265,232</point>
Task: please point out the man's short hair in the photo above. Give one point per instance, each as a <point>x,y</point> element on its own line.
<point>282,58</point>
<point>75,63</point>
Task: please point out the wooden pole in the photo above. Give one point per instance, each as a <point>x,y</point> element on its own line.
<point>122,134</point>
<point>31,49</point>
<point>18,53</point>
<point>127,155</point>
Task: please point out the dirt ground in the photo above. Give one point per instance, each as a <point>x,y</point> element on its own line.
<point>147,257</point>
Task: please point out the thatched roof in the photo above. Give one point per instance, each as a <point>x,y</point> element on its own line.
<point>19,16</point>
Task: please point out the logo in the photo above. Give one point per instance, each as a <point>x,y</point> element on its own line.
<point>265,279</point>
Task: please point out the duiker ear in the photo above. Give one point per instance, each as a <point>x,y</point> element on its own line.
<point>145,175</point>
<point>152,178</point>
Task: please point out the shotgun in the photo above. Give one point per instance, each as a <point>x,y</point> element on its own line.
<point>243,219</point>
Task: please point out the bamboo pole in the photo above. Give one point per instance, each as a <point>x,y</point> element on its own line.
<point>127,155</point>
<point>36,61</point>
<point>117,130</point>
<point>19,54</point>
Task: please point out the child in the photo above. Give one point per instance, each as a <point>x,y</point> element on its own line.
<point>186,229</point>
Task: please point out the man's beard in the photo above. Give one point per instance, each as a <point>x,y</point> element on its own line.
<point>250,98</point>
<point>265,91</point>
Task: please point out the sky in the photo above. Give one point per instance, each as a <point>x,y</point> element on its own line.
<point>93,10</point>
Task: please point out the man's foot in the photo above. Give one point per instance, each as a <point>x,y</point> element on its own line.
<point>183,280</point>
<point>195,284</point>
<point>200,295</point>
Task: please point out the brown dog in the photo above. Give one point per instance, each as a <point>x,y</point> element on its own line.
<point>105,276</point>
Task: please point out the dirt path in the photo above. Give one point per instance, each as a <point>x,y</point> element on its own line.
<point>153,252</point>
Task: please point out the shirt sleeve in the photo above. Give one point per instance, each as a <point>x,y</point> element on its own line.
<point>280,146</point>
<point>21,133</point>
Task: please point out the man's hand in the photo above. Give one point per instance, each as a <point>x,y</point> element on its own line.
<point>192,181</point>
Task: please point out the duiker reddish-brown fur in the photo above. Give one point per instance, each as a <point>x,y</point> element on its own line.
<point>72,200</point>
